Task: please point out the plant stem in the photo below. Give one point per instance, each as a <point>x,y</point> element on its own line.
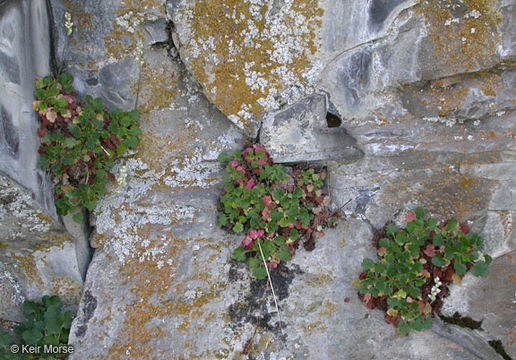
<point>270,282</point>
<point>138,88</point>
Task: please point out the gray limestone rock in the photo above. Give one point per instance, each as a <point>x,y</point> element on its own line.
<point>162,283</point>
<point>24,32</point>
<point>37,256</point>
<point>302,132</point>
<point>490,300</point>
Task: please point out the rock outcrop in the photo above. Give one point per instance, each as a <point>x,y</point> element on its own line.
<point>37,254</point>
<point>407,103</point>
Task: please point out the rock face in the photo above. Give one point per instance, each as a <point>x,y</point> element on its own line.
<point>24,32</point>
<point>307,131</point>
<point>423,93</point>
<point>37,255</point>
<point>361,53</point>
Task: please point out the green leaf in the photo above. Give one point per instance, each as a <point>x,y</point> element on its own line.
<point>31,336</point>
<point>121,149</point>
<point>279,240</point>
<point>452,224</point>
<point>404,328</point>
<point>391,229</point>
<point>459,268</point>
<point>438,260</point>
<point>260,273</point>
<point>253,262</point>
<point>411,227</point>
<point>131,142</point>
<point>78,217</point>
<point>284,254</point>
<point>239,254</point>
<point>284,222</point>
<point>385,243</point>
<point>238,228</point>
<point>298,193</point>
<point>480,269</point>
<point>278,194</point>
<point>438,240</point>
<point>223,220</point>
<point>417,325</point>
<point>367,264</point>
<point>74,130</point>
<point>223,158</point>
<point>43,163</point>
<point>420,213</point>
<point>430,224</point>
<point>294,234</point>
<point>5,339</point>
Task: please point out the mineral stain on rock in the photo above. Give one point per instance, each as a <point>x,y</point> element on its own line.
<point>251,308</point>
<point>379,11</point>
<point>90,304</point>
<point>355,74</point>
<point>8,132</point>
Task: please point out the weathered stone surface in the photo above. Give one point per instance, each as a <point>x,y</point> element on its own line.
<point>392,44</point>
<point>162,284</point>
<point>301,133</point>
<point>24,32</point>
<point>37,257</point>
<point>498,313</point>
<point>261,60</point>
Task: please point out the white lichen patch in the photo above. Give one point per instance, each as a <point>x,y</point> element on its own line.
<point>18,207</point>
<point>126,216</point>
<point>10,290</point>
<point>261,57</point>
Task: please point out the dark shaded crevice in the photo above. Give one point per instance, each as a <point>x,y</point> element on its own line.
<point>462,321</point>
<point>469,323</point>
<point>52,30</point>
<point>498,347</point>
<point>250,308</point>
<point>168,43</point>
<point>333,121</point>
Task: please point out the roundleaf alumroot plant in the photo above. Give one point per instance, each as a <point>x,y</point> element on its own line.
<point>274,206</point>
<point>80,142</point>
<point>45,324</point>
<point>416,264</point>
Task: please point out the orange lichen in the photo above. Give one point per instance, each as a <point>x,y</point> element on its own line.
<point>232,50</point>
<point>67,289</point>
<point>464,34</point>
<point>30,269</point>
<point>445,193</point>
<point>160,297</point>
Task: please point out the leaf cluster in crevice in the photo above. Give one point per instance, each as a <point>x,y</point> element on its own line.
<point>275,206</point>
<point>80,142</point>
<point>416,265</point>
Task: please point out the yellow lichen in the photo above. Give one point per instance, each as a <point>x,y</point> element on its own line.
<point>30,269</point>
<point>247,58</point>
<point>159,296</point>
<point>67,289</point>
<point>464,33</point>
